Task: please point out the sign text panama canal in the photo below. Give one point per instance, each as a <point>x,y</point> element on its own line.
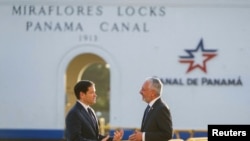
<point>78,16</point>
<point>203,81</point>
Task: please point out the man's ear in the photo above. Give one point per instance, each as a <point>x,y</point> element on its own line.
<point>82,94</point>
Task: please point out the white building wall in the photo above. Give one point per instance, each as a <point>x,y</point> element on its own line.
<point>33,60</point>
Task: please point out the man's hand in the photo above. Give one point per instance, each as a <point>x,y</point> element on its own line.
<point>137,136</point>
<point>118,135</point>
<point>106,138</point>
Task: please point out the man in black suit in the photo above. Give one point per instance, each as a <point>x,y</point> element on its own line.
<point>157,121</point>
<point>81,122</point>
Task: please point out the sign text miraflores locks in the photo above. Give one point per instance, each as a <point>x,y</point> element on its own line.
<point>81,13</point>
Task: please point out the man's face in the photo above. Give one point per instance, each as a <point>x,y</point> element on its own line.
<point>146,92</point>
<point>90,97</point>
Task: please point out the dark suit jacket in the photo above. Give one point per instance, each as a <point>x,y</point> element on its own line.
<point>79,125</point>
<point>158,124</point>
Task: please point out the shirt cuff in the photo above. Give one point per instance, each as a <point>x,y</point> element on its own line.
<point>143,136</point>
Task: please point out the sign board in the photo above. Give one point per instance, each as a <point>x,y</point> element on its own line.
<point>199,50</point>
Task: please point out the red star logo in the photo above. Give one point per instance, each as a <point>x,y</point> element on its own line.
<point>198,58</point>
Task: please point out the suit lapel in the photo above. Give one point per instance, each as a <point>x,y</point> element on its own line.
<point>151,111</point>
<point>85,116</point>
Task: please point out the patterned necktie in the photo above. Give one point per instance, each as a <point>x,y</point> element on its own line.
<point>92,116</point>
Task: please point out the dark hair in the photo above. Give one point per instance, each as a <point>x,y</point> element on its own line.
<point>82,86</point>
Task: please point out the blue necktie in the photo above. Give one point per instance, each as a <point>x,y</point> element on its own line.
<point>92,116</point>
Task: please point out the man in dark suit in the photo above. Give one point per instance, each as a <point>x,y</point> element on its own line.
<point>157,121</point>
<point>81,122</point>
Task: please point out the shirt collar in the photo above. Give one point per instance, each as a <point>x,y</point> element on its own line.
<point>151,103</point>
<point>84,105</point>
